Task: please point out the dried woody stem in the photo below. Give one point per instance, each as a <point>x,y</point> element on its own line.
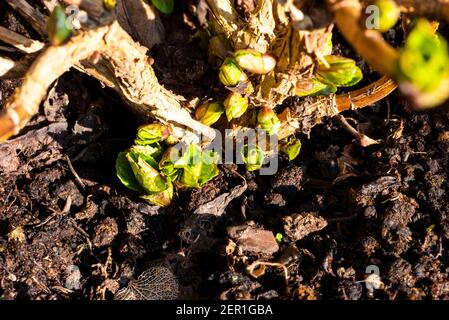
<point>20,42</point>
<point>124,66</point>
<point>36,19</point>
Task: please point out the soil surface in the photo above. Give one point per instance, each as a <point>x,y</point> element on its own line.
<point>70,230</point>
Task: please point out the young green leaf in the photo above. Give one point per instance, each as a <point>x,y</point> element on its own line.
<point>58,27</point>
<point>148,177</point>
<point>151,133</point>
<point>424,60</point>
<point>253,157</point>
<point>164,6</point>
<point>340,72</point>
<point>163,198</point>
<point>313,87</point>
<point>290,148</point>
<point>126,174</point>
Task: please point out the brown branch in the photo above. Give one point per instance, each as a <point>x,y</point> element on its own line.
<point>20,42</point>
<point>368,43</point>
<point>123,65</point>
<point>36,19</point>
<point>309,113</point>
<point>48,67</point>
<point>365,96</point>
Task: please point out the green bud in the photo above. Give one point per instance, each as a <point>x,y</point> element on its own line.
<point>167,166</point>
<point>230,73</point>
<point>164,6</point>
<point>136,169</point>
<point>424,60</point>
<point>209,113</point>
<point>290,148</point>
<point>255,61</point>
<point>161,199</point>
<point>151,133</point>
<point>268,120</point>
<point>235,105</point>
<point>389,14</point>
<point>58,27</point>
<point>253,157</point>
<point>109,4</point>
<point>279,238</point>
<point>313,87</point>
<point>342,72</point>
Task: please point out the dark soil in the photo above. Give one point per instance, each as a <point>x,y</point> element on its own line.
<point>341,208</point>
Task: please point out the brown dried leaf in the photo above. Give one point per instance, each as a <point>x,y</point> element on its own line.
<point>156,283</point>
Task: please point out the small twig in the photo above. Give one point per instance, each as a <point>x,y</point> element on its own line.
<point>362,139</point>
<point>36,19</point>
<point>20,42</point>
<point>72,170</point>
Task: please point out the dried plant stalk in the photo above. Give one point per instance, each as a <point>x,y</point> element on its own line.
<point>124,66</point>
<point>37,20</point>
<point>20,42</point>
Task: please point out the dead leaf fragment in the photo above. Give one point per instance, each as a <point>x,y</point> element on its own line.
<point>298,226</point>
<point>253,239</point>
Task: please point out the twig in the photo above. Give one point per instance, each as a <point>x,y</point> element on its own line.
<point>36,19</point>
<point>366,96</point>
<point>362,139</point>
<point>310,113</point>
<point>75,174</point>
<point>20,42</point>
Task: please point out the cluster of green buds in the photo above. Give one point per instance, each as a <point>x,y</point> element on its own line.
<point>330,74</point>
<point>152,167</point>
<point>389,13</point>
<point>268,120</point>
<point>424,59</point>
<point>58,27</point>
<point>290,148</point>
<point>231,71</point>
<point>253,157</point>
